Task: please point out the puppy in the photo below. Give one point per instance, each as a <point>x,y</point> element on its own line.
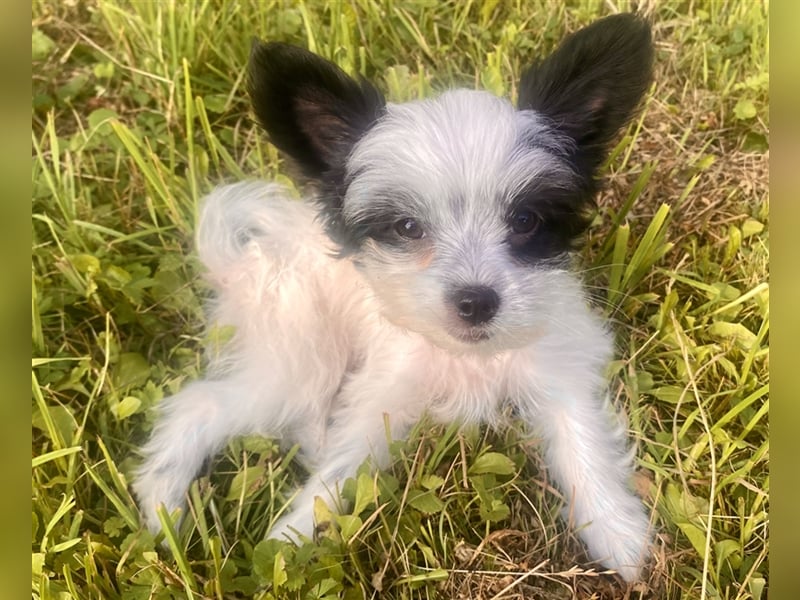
<point>429,274</point>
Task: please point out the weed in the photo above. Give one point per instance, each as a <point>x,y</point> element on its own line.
<point>139,109</point>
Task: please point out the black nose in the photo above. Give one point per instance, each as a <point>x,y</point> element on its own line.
<point>476,305</point>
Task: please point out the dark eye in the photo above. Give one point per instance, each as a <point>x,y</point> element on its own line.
<point>409,228</point>
<point>523,221</point>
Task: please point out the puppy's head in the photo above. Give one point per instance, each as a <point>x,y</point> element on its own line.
<point>460,211</point>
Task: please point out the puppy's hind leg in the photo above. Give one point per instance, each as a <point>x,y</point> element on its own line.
<point>193,426</point>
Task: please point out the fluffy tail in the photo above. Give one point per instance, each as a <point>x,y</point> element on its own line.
<point>242,221</point>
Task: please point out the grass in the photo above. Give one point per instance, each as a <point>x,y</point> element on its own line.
<point>138,109</point>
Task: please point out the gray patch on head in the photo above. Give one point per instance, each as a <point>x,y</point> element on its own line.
<point>455,158</point>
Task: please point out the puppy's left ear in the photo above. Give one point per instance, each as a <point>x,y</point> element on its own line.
<point>311,109</point>
<point>590,86</point>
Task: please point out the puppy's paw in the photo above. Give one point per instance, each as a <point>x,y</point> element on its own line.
<point>620,538</point>
<point>153,488</point>
<point>293,527</point>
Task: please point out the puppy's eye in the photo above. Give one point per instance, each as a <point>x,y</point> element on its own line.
<point>524,221</point>
<point>409,228</point>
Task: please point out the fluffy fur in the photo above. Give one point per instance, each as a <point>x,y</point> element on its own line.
<point>436,282</point>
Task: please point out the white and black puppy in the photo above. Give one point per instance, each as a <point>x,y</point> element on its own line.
<point>435,282</point>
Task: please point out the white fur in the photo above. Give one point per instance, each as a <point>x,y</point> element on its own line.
<point>325,348</point>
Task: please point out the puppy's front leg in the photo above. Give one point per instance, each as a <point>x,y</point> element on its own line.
<point>585,450</point>
<point>357,432</point>
<point>586,455</point>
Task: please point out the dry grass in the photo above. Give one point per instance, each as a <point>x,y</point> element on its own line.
<point>127,136</point>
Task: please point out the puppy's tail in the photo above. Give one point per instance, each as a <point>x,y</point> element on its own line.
<point>250,222</point>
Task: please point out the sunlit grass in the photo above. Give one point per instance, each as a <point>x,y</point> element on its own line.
<point>139,109</point>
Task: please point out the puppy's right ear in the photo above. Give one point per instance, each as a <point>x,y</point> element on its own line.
<point>311,109</point>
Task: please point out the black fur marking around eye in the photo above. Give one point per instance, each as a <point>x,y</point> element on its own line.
<point>560,216</point>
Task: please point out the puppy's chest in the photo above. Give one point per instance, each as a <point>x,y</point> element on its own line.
<point>466,388</point>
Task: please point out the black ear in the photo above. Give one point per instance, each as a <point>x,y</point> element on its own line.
<point>311,109</point>
<point>590,86</point>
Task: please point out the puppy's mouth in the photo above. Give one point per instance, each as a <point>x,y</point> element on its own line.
<point>474,335</point>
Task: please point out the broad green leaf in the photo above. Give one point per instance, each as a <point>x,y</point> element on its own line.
<point>751,227</point>
<point>741,334</point>
<point>101,116</point>
<point>215,103</point>
<point>103,70</point>
<point>264,556</point>
<point>348,525</point>
<point>695,535</point>
<point>757,585</point>
<point>41,45</point>
<point>126,407</point>
<point>496,510</point>
<point>431,482</point>
<point>85,263</point>
<point>62,419</point>
<point>744,109</point>
<point>244,483</point>
<point>493,462</point>
<point>425,502</point>
<point>132,369</point>
<point>365,493</point>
